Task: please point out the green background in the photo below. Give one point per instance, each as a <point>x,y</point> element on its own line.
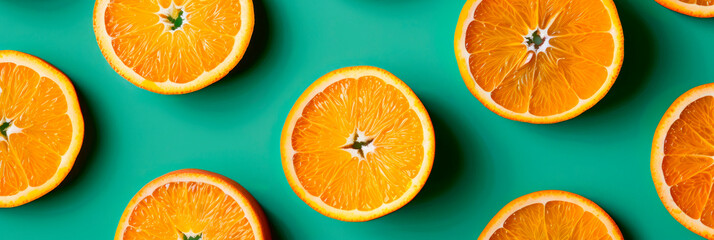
<point>233,127</point>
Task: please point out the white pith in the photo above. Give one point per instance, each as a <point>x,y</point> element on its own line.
<point>167,12</point>
<point>190,234</point>
<point>361,137</point>
<point>534,50</point>
<point>12,129</point>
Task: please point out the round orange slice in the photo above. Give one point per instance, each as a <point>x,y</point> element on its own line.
<point>41,128</point>
<point>539,61</point>
<point>173,46</point>
<point>694,8</point>
<point>551,214</point>
<point>682,162</point>
<point>192,204</point>
<point>358,144</point>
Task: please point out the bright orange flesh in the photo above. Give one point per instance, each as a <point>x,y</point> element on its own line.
<point>165,212</point>
<point>571,69</point>
<point>38,127</point>
<point>378,111</point>
<point>682,163</point>
<point>694,8</point>
<point>326,124</point>
<point>551,215</point>
<point>180,204</point>
<point>158,54</point>
<point>143,39</point>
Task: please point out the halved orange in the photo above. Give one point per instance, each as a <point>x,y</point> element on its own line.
<point>682,161</point>
<point>358,144</point>
<point>173,46</point>
<point>551,214</point>
<point>539,61</point>
<point>192,204</point>
<point>694,8</point>
<point>41,128</point>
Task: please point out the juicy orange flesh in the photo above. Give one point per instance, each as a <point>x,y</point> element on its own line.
<point>178,208</point>
<point>37,106</point>
<point>552,220</point>
<point>144,43</point>
<point>553,81</point>
<point>699,2</point>
<point>687,165</point>
<point>344,180</point>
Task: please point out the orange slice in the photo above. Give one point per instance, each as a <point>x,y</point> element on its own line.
<point>358,144</point>
<point>694,8</point>
<point>682,162</point>
<point>539,61</point>
<point>173,46</point>
<point>192,204</point>
<point>551,214</point>
<point>41,128</point>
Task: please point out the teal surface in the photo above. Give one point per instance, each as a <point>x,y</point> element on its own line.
<point>233,127</point>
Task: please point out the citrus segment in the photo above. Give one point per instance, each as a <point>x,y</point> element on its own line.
<point>358,144</point>
<point>539,61</point>
<point>682,165</point>
<point>13,176</point>
<point>694,8</point>
<point>175,46</point>
<point>551,215</point>
<point>192,204</point>
<point>41,128</point>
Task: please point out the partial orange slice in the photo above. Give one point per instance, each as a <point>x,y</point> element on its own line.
<point>539,61</point>
<point>192,204</point>
<point>694,8</point>
<point>173,46</point>
<point>358,144</point>
<point>682,162</point>
<point>551,215</point>
<point>41,127</point>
